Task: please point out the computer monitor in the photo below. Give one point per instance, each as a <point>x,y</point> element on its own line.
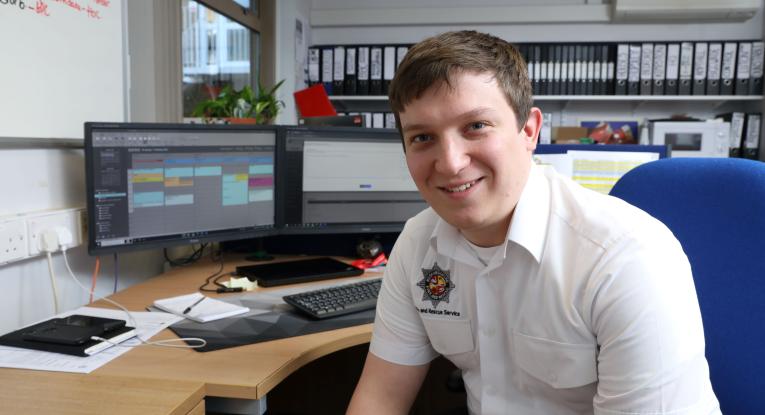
<point>344,180</point>
<point>158,185</point>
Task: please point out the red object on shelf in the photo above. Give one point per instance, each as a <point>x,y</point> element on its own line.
<point>370,263</point>
<point>314,102</point>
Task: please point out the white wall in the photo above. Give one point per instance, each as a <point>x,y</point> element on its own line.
<point>289,62</point>
<point>519,32</point>
<point>34,179</point>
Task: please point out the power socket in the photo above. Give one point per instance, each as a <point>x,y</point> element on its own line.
<point>13,240</point>
<point>37,225</point>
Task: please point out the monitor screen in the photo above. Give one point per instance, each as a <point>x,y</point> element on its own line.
<point>157,185</point>
<point>344,180</point>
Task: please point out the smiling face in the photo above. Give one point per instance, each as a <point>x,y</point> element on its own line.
<point>467,155</point>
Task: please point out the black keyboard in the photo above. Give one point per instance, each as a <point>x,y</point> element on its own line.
<point>337,300</point>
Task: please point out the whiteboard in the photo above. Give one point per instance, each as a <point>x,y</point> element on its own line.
<point>61,64</point>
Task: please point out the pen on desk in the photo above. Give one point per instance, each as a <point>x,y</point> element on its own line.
<point>186,311</point>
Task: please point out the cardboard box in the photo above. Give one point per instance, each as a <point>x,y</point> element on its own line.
<point>568,133</point>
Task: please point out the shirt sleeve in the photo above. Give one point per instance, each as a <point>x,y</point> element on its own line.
<point>646,317</point>
<point>398,335</point>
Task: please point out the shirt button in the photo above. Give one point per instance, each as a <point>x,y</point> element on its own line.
<point>552,376</point>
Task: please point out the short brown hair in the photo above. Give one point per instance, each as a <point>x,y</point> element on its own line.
<point>437,58</point>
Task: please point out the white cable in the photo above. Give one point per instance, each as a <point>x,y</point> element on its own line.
<point>163,343</point>
<point>53,282</point>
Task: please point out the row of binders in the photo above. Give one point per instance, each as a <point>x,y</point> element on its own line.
<point>655,68</point>
<point>354,70</point>
<point>744,133</point>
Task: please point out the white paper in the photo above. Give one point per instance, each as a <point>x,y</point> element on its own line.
<point>209,309</point>
<point>599,170</point>
<point>147,325</point>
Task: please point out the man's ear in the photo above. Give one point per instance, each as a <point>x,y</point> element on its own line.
<point>530,130</point>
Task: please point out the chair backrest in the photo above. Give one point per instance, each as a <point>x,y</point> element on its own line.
<point>716,209</point>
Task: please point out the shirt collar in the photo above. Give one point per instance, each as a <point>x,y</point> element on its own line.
<point>528,227</point>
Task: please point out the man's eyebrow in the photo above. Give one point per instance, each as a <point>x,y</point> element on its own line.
<point>476,112</point>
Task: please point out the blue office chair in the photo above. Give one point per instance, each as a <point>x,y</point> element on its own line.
<point>716,209</point>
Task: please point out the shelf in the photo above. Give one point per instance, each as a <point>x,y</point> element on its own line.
<point>619,98</point>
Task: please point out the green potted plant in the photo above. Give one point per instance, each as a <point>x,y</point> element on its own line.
<point>242,106</point>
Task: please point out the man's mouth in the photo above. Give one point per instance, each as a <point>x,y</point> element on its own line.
<point>461,188</point>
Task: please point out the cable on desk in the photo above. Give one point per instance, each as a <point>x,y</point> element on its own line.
<point>213,278</point>
<point>53,281</point>
<point>194,257</point>
<point>131,319</point>
<point>94,278</point>
<point>116,272</point>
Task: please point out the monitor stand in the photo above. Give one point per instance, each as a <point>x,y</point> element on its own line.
<point>259,254</point>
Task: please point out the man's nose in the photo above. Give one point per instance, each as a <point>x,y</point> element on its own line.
<point>453,156</point>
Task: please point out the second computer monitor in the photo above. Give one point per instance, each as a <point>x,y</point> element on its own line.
<point>344,180</point>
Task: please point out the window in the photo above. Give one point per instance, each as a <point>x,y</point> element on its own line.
<point>216,51</point>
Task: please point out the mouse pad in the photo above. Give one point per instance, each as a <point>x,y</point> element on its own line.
<point>274,325</point>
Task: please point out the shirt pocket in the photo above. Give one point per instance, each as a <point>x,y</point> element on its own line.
<point>560,365</point>
<point>453,339</point>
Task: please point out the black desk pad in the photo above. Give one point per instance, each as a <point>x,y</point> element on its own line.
<point>281,323</point>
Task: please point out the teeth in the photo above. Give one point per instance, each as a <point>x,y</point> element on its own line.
<point>461,188</point>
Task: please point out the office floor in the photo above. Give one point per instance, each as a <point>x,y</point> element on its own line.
<point>325,386</point>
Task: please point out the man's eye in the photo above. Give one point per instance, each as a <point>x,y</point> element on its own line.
<point>477,125</point>
<point>420,138</point>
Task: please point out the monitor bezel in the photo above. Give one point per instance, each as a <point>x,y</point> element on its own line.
<point>226,235</point>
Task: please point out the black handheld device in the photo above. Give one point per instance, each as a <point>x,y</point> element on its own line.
<point>72,330</point>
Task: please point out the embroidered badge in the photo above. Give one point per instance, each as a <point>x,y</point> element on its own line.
<point>436,285</point>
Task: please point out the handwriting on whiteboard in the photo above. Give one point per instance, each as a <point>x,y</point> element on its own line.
<point>40,7</point>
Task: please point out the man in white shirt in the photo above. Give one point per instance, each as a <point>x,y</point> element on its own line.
<point>550,298</point>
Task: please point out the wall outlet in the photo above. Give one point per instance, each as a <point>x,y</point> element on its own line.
<point>13,240</point>
<point>37,224</point>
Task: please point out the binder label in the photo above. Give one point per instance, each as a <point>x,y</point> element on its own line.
<point>728,60</point>
<point>715,56</point>
<point>313,65</point>
<point>363,63</point>
<point>752,131</point>
<point>744,54</point>
<point>339,63</point>
<point>700,62</point>
<point>376,63</point>
<point>686,60</point>
<point>326,65</point>
<point>622,61</point>
<point>758,49</point>
<point>646,61</point>
<point>400,53</point>
<point>634,69</point>
<point>659,62</point>
<point>673,61</point>
<point>390,62</point>
<point>350,61</point>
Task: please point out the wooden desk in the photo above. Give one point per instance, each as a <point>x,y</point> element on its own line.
<point>35,392</point>
<point>245,372</point>
<point>160,380</point>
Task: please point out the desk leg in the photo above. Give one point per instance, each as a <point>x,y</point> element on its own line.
<point>236,406</point>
